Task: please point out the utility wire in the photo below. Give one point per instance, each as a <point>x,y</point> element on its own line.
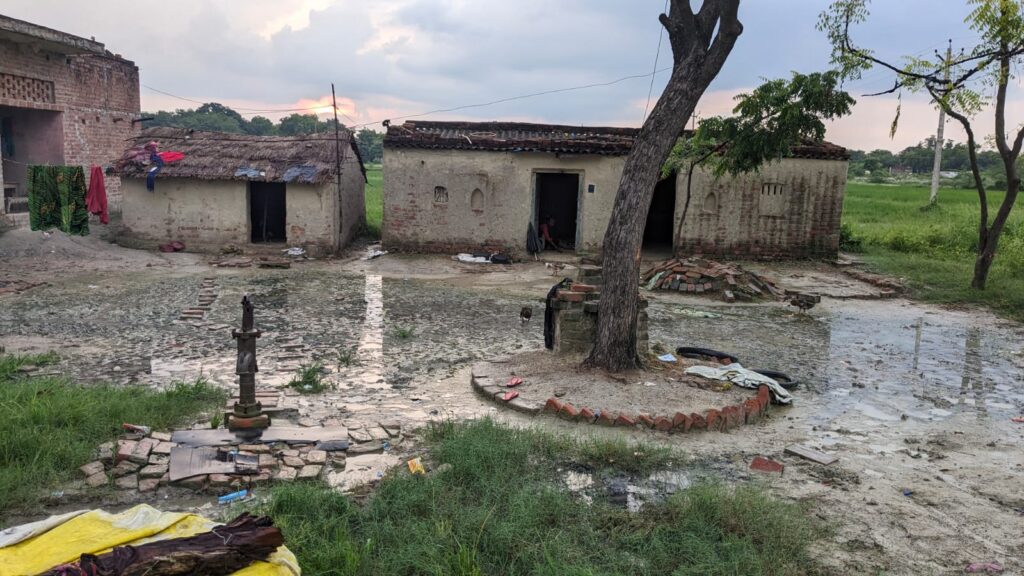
<point>465,106</point>
<point>654,69</point>
<point>238,109</point>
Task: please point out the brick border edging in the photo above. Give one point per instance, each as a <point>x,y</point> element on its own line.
<point>749,411</point>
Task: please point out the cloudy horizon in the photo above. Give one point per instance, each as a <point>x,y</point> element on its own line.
<point>392,58</point>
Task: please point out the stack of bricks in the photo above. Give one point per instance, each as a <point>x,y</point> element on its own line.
<point>576,308</point>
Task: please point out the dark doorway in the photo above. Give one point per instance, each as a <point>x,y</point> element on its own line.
<point>661,217</point>
<point>267,211</point>
<point>558,198</point>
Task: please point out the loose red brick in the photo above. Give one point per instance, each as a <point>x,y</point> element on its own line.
<point>553,405</point>
<point>568,411</point>
<point>583,288</point>
<point>571,296</point>
<point>698,422</point>
<point>714,419</point>
<point>751,410</point>
<point>733,416</point>
<point>645,420</point>
<point>586,415</point>
<point>681,422</point>
<point>606,418</point>
<point>625,420</point>
<point>762,464</point>
<point>662,424</point>
<point>765,394</point>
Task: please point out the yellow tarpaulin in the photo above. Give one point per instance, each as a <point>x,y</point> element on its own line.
<point>34,548</point>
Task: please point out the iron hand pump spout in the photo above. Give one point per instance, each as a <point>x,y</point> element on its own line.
<point>247,419</point>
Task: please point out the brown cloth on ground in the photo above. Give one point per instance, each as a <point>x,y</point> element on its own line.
<point>224,550</point>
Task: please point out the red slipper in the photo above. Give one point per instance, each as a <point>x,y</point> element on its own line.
<point>514,381</point>
<point>509,395</point>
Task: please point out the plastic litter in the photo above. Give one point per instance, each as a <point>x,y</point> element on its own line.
<point>667,358</point>
<point>908,492</point>
<point>136,428</point>
<point>416,466</point>
<point>1017,419</point>
<point>233,497</point>
<point>294,251</point>
<point>374,252</point>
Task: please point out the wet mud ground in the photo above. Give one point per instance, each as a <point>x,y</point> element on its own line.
<point>915,400</point>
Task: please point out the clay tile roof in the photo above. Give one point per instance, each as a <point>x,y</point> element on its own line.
<point>524,137</point>
<point>221,156</point>
<point>511,137</point>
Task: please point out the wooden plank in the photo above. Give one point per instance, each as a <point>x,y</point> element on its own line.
<point>811,454</point>
<point>187,462</point>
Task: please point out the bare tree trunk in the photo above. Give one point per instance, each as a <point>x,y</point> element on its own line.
<point>699,53</point>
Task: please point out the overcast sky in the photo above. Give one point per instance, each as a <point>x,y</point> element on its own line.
<point>391,58</point>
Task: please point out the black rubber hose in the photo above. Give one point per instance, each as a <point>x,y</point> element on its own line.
<point>782,378</point>
<point>701,353</point>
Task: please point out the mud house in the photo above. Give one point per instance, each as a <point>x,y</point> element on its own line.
<point>232,189</point>
<point>472,186</point>
<point>64,100</point>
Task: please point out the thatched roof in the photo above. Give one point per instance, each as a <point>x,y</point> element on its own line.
<point>307,159</point>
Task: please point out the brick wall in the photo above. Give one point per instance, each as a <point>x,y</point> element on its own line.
<point>576,309</point>
<point>789,209</point>
<point>96,94</point>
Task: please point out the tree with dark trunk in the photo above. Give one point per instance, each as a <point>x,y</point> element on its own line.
<point>961,95</point>
<point>701,42</point>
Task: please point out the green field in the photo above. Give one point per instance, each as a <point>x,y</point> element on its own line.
<point>934,249</point>
<point>374,199</point>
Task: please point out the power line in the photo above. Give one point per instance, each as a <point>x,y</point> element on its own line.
<point>256,110</point>
<point>520,97</point>
<point>654,69</point>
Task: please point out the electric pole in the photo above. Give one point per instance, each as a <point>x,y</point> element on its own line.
<point>937,166</point>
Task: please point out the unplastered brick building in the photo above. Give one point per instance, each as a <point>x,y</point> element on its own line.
<point>477,186</point>
<point>64,100</point>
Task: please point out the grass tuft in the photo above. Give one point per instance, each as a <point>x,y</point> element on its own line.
<point>501,509</point>
<point>50,426</point>
<point>309,379</point>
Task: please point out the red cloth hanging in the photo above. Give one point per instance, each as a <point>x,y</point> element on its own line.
<point>96,196</point>
<point>169,157</point>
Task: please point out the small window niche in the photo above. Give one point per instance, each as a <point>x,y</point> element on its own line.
<point>710,205</point>
<point>440,195</point>
<point>476,200</point>
<point>772,201</point>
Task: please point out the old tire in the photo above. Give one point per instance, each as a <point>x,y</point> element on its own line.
<point>704,353</point>
<point>781,377</point>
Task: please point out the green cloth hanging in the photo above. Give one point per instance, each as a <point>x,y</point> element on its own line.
<point>56,199</point>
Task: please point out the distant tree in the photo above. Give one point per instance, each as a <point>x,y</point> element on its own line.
<point>300,124</point>
<point>371,145</point>
<point>701,42</point>
<point>260,126</point>
<point>990,65</point>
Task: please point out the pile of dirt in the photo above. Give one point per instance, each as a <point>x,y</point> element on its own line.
<point>700,276</point>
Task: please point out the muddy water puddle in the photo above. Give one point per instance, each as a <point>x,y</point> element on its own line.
<point>883,361</point>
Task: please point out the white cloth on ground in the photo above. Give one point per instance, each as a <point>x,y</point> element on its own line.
<point>744,378</point>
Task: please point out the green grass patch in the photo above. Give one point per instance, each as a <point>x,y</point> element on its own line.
<point>10,363</point>
<point>934,248</point>
<point>500,509</point>
<point>309,379</point>
<point>374,199</point>
<point>50,426</point>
